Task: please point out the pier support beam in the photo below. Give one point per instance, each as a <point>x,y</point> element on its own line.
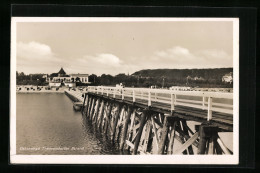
<point>119,109</point>
<point>144,116</point>
<point>101,113</point>
<point>83,106</point>
<point>96,112</point>
<point>164,134</point>
<point>108,127</point>
<point>90,105</point>
<point>86,107</point>
<point>208,136</point>
<point>93,108</point>
<point>125,126</point>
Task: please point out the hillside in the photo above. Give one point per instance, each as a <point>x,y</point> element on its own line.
<point>201,77</point>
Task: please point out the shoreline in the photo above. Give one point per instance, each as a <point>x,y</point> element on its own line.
<point>22,92</point>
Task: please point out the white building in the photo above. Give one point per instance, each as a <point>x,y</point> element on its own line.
<point>82,77</point>
<point>61,79</point>
<point>228,78</point>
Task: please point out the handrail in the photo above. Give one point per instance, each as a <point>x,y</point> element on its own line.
<point>204,101</point>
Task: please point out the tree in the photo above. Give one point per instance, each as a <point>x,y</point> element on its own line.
<point>93,78</point>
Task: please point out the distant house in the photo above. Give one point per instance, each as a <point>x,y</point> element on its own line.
<point>195,78</point>
<point>228,78</point>
<point>62,79</point>
<point>45,77</point>
<point>82,77</point>
<point>180,88</point>
<point>198,78</point>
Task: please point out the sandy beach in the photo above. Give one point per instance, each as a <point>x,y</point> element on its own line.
<point>41,89</point>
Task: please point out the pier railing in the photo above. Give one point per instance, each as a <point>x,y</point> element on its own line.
<point>207,101</point>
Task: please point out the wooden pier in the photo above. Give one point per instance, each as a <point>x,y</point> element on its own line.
<point>155,121</point>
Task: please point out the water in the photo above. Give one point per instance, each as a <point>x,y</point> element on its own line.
<point>47,124</point>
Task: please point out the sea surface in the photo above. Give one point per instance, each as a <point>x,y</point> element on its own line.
<point>47,124</point>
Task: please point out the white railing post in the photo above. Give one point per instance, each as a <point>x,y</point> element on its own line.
<point>114,93</point>
<point>203,103</point>
<point>133,95</point>
<point>149,98</point>
<point>107,92</point>
<point>155,96</point>
<point>122,92</point>
<point>209,108</point>
<point>172,102</point>
<point>102,90</point>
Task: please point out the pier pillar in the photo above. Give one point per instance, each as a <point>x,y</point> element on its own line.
<point>186,133</point>
<point>119,109</point>
<point>172,136</point>
<point>94,118</point>
<point>90,105</point>
<point>93,108</point>
<point>208,136</point>
<point>83,106</point>
<point>144,116</point>
<point>86,107</point>
<point>108,127</point>
<point>125,126</point>
<point>101,113</point>
<point>164,133</point>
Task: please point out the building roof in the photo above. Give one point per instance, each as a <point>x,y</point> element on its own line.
<point>61,71</point>
<point>79,75</point>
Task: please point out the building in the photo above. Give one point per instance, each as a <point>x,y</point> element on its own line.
<point>228,78</point>
<point>62,79</point>
<point>82,77</point>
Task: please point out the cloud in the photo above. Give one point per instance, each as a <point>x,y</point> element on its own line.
<point>103,58</point>
<point>176,57</point>
<point>175,51</point>
<point>34,51</point>
<point>180,57</point>
<point>36,57</point>
<point>103,63</point>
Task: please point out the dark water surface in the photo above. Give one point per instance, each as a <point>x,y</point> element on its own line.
<point>47,124</point>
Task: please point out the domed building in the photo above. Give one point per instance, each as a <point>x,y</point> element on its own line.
<point>62,79</point>
<point>61,73</point>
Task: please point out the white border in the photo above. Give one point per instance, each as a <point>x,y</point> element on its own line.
<point>123,159</point>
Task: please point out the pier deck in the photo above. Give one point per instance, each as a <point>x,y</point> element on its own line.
<point>190,105</point>
<point>148,121</point>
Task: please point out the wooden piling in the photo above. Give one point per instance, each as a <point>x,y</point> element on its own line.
<point>171,142</point>
<point>86,108</point>
<point>85,96</point>
<point>125,126</point>
<point>202,141</point>
<point>182,135</point>
<point>186,132</point>
<point>119,107</point>
<point>164,133</point>
<point>145,114</point>
<point>90,105</point>
<point>208,139</point>
<point>101,113</point>
<point>108,112</point>
<point>93,108</point>
<point>94,119</point>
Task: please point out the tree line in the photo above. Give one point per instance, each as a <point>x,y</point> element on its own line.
<point>30,79</point>
<point>146,78</point>
<point>166,78</point>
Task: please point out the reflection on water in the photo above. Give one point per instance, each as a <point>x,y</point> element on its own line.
<point>47,124</point>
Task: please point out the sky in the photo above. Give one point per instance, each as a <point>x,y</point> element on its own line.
<point>122,47</point>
